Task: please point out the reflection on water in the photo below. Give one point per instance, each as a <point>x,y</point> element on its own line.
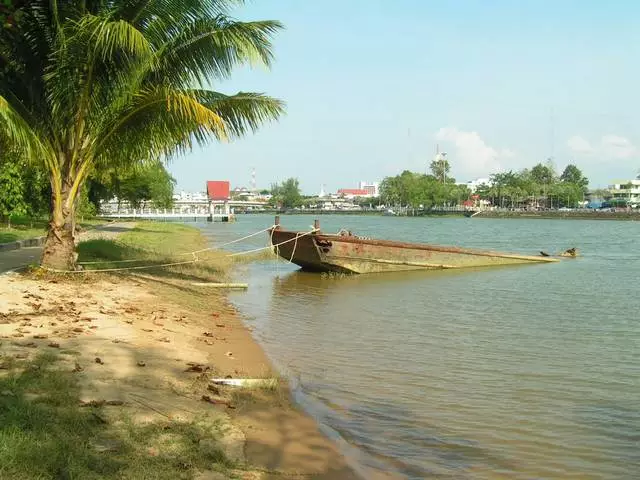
<point>518,372</point>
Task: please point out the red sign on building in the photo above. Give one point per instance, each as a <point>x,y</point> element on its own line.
<point>218,190</point>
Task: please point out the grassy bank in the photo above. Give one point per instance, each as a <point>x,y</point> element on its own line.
<point>23,228</point>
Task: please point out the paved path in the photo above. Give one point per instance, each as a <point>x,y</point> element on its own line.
<point>18,258</point>
<point>26,256</point>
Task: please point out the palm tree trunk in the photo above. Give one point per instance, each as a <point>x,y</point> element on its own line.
<point>59,248</point>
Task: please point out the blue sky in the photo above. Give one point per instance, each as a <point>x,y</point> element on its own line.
<point>372,86</point>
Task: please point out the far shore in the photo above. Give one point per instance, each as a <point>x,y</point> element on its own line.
<point>579,214</point>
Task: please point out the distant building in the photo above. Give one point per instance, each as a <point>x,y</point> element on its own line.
<point>625,192</point>
<point>473,185</point>
<point>218,190</point>
<point>353,193</point>
<point>183,196</point>
<point>372,188</point>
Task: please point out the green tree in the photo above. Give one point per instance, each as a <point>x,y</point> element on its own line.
<point>88,86</point>
<point>12,189</point>
<point>573,174</point>
<point>440,167</point>
<point>543,174</point>
<point>287,194</point>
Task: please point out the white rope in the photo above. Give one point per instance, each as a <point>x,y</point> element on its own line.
<point>195,258</point>
<point>184,253</point>
<point>139,267</point>
<point>298,235</point>
<point>215,247</point>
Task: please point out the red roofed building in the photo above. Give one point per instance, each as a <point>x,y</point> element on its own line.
<point>218,190</point>
<point>353,192</point>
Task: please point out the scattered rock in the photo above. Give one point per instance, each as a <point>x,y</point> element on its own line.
<point>78,368</point>
<point>141,363</point>
<point>93,327</point>
<point>208,334</point>
<point>21,355</point>
<point>164,339</point>
<point>130,322</point>
<point>41,336</point>
<point>196,367</point>
<point>220,325</point>
<point>213,389</point>
<point>114,403</point>
<point>147,330</point>
<point>229,354</point>
<point>53,344</point>
<point>78,329</point>
<point>99,361</point>
<point>30,345</point>
<point>17,335</point>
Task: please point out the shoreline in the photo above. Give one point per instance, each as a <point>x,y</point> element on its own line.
<point>549,215</point>
<point>147,343</point>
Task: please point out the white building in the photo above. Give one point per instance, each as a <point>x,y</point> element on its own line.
<point>626,191</point>
<point>372,188</point>
<point>190,197</point>
<point>473,185</point>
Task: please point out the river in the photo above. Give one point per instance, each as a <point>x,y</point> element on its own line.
<point>517,372</point>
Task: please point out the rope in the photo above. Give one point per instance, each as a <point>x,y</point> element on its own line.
<point>139,267</point>
<point>195,258</point>
<point>298,235</point>
<point>184,253</point>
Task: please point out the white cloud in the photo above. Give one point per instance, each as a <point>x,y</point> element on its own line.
<point>616,147</point>
<point>610,147</point>
<point>579,145</point>
<point>472,155</point>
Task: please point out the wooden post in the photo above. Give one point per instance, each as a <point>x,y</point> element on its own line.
<point>277,221</point>
<point>316,224</point>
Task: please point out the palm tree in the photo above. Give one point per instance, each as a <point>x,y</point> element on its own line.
<point>89,85</point>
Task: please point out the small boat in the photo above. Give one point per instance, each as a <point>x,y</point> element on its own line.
<point>343,252</point>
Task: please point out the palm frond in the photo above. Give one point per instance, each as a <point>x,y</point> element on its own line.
<point>242,112</point>
<point>210,49</point>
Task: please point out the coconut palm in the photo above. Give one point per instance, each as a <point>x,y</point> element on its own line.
<point>87,85</point>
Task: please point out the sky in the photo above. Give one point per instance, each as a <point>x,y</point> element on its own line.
<point>373,87</point>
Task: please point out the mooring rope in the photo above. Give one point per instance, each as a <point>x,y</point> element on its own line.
<point>194,253</point>
<point>184,253</point>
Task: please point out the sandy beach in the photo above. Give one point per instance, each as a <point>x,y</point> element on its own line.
<point>143,348</point>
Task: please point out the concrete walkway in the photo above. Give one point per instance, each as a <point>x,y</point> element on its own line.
<point>26,256</point>
<point>18,258</point>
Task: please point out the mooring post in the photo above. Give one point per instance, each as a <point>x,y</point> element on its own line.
<point>316,224</point>
<point>277,221</point>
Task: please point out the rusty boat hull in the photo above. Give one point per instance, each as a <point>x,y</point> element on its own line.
<point>320,252</point>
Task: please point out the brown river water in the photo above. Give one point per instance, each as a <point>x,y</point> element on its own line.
<point>520,372</point>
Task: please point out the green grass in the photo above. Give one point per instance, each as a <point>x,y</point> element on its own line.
<point>23,228</point>
<point>45,434</point>
<point>153,244</point>
<point>19,233</point>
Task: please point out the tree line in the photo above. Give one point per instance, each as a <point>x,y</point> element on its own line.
<point>539,186</point>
